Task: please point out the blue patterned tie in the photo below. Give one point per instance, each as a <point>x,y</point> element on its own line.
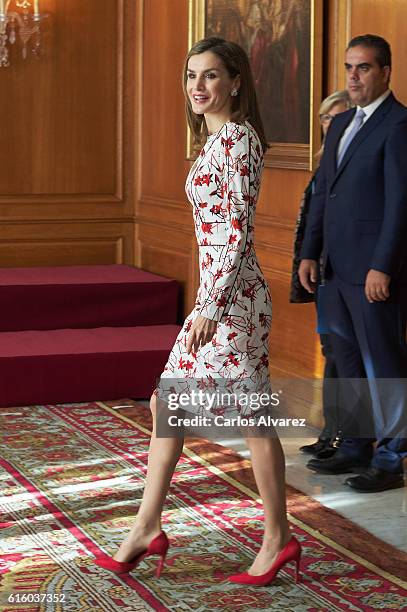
<point>360,115</point>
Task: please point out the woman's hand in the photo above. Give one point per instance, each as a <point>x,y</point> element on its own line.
<point>202,331</point>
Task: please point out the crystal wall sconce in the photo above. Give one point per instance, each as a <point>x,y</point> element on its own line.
<point>23,24</point>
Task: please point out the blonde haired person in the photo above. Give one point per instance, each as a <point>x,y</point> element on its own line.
<point>337,102</point>
<point>329,439</point>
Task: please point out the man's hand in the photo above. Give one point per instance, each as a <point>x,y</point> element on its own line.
<point>308,274</point>
<point>377,286</point>
<point>202,331</point>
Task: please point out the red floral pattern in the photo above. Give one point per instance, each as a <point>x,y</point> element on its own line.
<point>223,186</point>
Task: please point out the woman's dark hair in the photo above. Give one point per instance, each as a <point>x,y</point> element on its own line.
<point>379,44</point>
<point>244,105</point>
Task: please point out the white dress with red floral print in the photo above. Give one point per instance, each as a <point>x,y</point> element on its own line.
<point>223,186</point>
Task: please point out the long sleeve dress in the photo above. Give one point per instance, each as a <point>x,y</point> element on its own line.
<point>223,186</point>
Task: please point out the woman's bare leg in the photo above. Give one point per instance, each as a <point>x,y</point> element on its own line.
<point>269,471</point>
<point>163,456</point>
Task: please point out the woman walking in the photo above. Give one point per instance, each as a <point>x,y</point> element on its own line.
<point>226,335</point>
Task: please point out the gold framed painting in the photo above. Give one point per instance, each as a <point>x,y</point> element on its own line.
<point>283,39</point>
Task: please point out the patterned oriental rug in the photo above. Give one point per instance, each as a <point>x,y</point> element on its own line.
<point>71,481</point>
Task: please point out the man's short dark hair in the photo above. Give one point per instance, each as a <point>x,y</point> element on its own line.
<point>379,44</point>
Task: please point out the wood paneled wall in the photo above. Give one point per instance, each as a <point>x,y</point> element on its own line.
<point>92,155</point>
<point>387,19</point>
<point>67,154</point>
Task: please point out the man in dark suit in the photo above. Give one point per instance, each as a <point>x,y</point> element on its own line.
<point>358,221</point>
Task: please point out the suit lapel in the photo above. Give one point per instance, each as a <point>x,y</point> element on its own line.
<point>340,125</point>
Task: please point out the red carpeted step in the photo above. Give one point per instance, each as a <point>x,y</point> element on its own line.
<point>84,296</point>
<point>75,365</point>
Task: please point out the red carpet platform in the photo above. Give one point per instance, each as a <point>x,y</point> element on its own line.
<point>84,296</point>
<point>70,365</point>
<point>81,333</point>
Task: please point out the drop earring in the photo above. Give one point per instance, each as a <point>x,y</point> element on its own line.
<point>233,92</point>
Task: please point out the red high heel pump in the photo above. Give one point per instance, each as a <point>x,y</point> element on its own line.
<point>290,552</point>
<point>157,546</point>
